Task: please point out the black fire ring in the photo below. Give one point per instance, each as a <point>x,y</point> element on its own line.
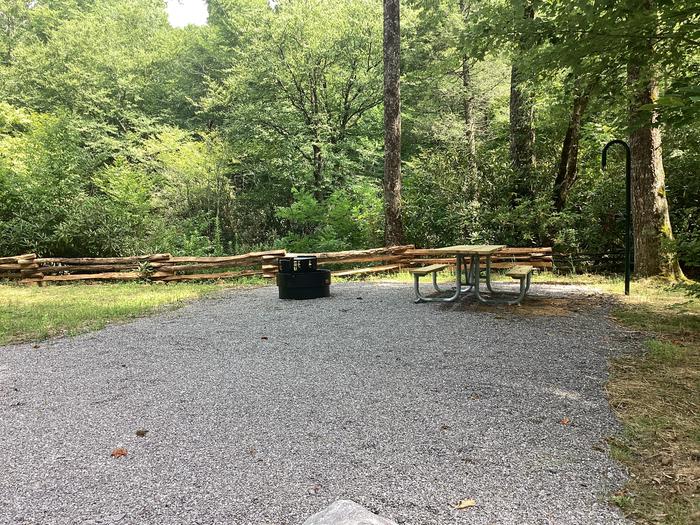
<point>299,278</point>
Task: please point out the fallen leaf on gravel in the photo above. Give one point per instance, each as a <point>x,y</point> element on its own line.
<point>565,421</point>
<point>315,488</point>
<point>119,452</point>
<point>141,433</point>
<point>464,504</point>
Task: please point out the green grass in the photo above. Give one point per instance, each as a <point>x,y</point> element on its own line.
<point>35,313</point>
<point>656,395</point>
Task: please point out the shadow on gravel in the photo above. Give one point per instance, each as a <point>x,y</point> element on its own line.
<point>538,305</point>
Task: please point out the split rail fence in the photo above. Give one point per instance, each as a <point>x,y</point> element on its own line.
<point>31,269</point>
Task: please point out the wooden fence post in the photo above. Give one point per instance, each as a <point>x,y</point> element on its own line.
<point>29,270</point>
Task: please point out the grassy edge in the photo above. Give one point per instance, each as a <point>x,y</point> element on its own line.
<point>32,314</point>
<point>654,394</point>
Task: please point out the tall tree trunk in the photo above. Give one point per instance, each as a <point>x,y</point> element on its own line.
<point>522,116</point>
<point>653,254</point>
<point>568,162</point>
<point>317,158</point>
<point>471,172</point>
<point>653,250</point>
<point>393,221</point>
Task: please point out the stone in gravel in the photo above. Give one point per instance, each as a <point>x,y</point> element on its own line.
<point>346,512</point>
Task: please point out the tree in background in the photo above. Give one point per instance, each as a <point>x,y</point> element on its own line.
<point>567,170</point>
<point>522,107</point>
<point>469,111</point>
<point>613,45</point>
<point>120,134</point>
<point>299,103</point>
<point>393,223</point>
<point>654,253</point>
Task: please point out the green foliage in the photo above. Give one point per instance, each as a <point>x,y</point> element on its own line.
<point>120,134</point>
<point>349,218</point>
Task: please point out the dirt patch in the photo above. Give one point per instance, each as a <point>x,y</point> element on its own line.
<point>538,305</point>
<point>656,396</point>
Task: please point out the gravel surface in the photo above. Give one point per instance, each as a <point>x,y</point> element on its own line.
<point>261,411</point>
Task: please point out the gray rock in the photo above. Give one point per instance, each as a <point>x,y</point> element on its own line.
<point>346,512</point>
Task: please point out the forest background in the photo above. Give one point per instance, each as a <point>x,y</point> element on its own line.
<point>121,135</point>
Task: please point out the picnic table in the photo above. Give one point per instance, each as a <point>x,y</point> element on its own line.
<point>468,262</point>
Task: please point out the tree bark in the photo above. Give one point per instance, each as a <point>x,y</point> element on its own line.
<point>317,157</point>
<point>653,252</point>
<point>471,172</point>
<point>568,162</point>
<point>522,130</point>
<point>393,221</point>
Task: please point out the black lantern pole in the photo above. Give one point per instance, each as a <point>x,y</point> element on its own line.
<point>628,211</point>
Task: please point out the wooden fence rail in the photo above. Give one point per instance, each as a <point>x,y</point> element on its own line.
<point>30,269</point>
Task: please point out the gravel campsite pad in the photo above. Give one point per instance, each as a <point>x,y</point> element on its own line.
<point>244,409</point>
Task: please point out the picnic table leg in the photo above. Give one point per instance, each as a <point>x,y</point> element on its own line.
<point>435,284</point>
<point>420,298</point>
<point>469,278</point>
<point>476,262</point>
<point>488,273</point>
<point>524,287</point>
<point>477,273</point>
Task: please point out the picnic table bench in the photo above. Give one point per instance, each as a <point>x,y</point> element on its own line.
<point>468,260</point>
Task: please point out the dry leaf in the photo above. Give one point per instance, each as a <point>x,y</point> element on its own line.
<point>464,504</point>
<point>119,452</point>
<point>314,489</point>
<point>565,421</point>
